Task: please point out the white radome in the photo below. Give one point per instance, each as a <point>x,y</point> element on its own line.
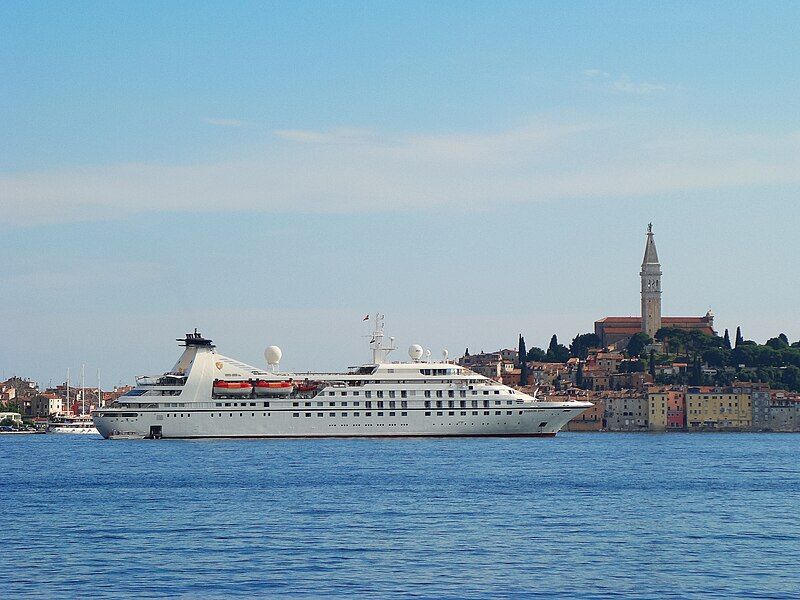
<point>273,355</point>
<point>415,351</point>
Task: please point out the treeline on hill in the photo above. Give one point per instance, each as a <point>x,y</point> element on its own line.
<point>776,362</point>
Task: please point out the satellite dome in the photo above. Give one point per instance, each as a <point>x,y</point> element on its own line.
<point>273,355</point>
<point>415,351</point>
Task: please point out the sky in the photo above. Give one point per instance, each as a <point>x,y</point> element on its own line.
<point>271,172</point>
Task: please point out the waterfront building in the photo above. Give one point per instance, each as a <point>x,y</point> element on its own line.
<point>667,409</point>
<point>14,416</point>
<point>775,410</point>
<point>615,332</point>
<point>592,419</point>
<point>718,408</point>
<point>625,411</point>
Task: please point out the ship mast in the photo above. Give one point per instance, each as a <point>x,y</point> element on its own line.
<point>379,351</point>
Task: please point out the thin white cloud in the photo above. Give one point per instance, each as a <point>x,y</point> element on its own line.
<point>225,122</point>
<point>622,83</point>
<point>351,170</point>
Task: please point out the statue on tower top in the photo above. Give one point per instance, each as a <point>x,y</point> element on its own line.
<point>650,227</point>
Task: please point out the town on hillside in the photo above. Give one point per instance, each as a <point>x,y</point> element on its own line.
<point>642,373</point>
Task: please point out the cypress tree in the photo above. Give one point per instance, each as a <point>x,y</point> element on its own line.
<point>653,364</point>
<point>739,338</point>
<point>553,344</point>
<point>727,340</point>
<point>523,365</point>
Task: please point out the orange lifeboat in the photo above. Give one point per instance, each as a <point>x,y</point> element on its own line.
<point>232,388</point>
<point>273,388</point>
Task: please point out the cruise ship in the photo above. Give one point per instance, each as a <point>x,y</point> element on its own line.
<point>209,395</point>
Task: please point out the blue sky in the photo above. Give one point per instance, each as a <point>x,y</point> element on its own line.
<point>271,172</point>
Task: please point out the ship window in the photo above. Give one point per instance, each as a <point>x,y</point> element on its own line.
<point>427,403</point>
<point>295,404</point>
<point>474,392</point>
<point>320,414</point>
<point>343,393</point>
<point>474,404</point>
<point>344,414</point>
<point>498,412</point>
<point>486,412</point>
<point>345,403</point>
<point>403,414</point>
<point>380,414</point>
<point>331,403</point>
<point>462,393</point>
<point>509,412</point>
<point>392,393</point>
<point>331,414</point>
<point>497,403</point>
<point>427,393</point>
<point>368,404</point>
<point>320,404</point>
<point>380,403</point>
<point>295,414</point>
<point>331,393</point>
<point>450,393</point>
<point>485,393</point>
<point>367,414</point>
<point>308,403</point>
<point>438,404</point>
<point>266,404</point>
<point>427,414</point>
<point>355,414</point>
<point>308,414</point>
<point>497,391</point>
<point>392,404</point>
<point>403,394</point>
<point>450,404</point>
<point>439,413</point>
<point>227,404</point>
<point>251,404</point>
<point>356,393</point>
<point>510,402</point>
<point>474,413</point>
<point>218,404</point>
<point>403,404</point>
<point>463,403</point>
<point>356,403</point>
<point>463,413</point>
<point>543,424</point>
<point>485,404</point>
<point>451,413</point>
<point>391,414</point>
<point>520,412</point>
<point>368,394</point>
<point>380,394</point>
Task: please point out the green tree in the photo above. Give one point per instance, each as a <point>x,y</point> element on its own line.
<point>739,338</point>
<point>536,354</point>
<point>637,343</point>
<point>557,353</point>
<point>727,339</point>
<point>652,364</point>
<point>778,343</point>
<point>523,364</point>
<point>716,357</point>
<point>581,344</point>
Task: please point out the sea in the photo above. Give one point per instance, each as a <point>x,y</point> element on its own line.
<point>581,515</point>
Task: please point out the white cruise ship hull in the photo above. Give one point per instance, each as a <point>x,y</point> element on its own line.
<point>543,420</point>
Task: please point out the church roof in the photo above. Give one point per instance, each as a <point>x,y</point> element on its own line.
<point>650,253</point>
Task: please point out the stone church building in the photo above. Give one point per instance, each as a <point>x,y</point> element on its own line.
<point>615,332</point>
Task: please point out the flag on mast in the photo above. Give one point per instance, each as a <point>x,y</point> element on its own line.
<point>366,318</point>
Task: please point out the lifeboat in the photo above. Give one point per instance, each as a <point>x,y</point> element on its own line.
<point>308,386</point>
<point>274,388</point>
<point>232,388</point>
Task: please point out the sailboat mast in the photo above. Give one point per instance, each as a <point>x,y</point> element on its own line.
<point>83,389</point>
<point>67,409</point>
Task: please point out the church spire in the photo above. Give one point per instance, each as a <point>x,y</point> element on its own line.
<point>650,254</point>
<point>651,286</point>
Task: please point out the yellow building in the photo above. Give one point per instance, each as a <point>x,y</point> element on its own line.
<point>657,402</point>
<point>718,408</point>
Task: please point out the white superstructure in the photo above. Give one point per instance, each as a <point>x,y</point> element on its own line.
<point>210,395</point>
<point>68,423</point>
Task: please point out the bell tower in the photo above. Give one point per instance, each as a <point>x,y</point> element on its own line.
<point>651,287</point>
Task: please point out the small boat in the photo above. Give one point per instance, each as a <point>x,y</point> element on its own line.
<point>125,435</point>
<point>232,388</point>
<point>68,423</point>
<point>273,388</point>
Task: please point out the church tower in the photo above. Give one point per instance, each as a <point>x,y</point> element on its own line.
<point>651,287</point>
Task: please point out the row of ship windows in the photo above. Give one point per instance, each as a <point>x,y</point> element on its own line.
<point>379,403</point>
<point>407,393</point>
<point>440,413</point>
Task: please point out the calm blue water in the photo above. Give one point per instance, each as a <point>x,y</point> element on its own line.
<point>581,515</point>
